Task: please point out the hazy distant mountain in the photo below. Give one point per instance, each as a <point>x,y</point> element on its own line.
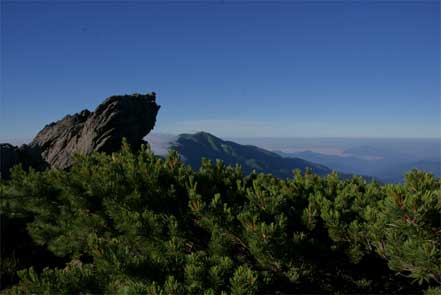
<point>348,164</point>
<point>395,173</point>
<point>368,152</point>
<point>384,165</point>
<point>194,147</point>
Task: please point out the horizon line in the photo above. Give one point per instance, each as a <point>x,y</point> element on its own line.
<point>297,137</point>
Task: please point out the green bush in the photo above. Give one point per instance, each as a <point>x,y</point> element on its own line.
<point>134,223</point>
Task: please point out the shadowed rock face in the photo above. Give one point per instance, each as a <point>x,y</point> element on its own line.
<point>25,155</point>
<point>129,116</point>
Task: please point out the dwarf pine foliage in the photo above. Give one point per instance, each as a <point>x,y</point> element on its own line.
<point>133,223</point>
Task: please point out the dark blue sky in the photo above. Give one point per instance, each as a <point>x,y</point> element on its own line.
<point>235,69</point>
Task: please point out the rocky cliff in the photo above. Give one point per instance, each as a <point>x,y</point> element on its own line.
<point>128,116</point>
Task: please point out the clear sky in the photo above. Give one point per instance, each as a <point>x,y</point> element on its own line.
<point>281,69</point>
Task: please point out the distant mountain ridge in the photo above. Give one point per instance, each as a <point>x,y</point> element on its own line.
<point>386,168</point>
<point>194,147</point>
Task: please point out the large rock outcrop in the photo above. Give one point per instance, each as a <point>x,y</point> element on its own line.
<point>126,116</point>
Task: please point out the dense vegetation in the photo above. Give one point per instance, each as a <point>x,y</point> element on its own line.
<point>134,223</point>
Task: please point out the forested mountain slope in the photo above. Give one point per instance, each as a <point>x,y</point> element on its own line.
<point>194,147</point>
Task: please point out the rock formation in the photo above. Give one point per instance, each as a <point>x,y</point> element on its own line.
<point>128,116</point>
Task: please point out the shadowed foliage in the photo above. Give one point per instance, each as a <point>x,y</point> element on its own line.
<point>132,223</point>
